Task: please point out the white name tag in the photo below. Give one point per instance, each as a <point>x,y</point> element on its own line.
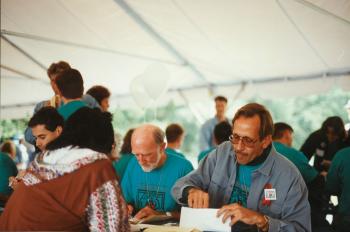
<point>270,194</point>
<point>319,152</point>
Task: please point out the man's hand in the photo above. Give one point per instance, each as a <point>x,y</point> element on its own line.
<point>198,198</point>
<point>145,212</point>
<point>130,209</point>
<point>237,213</point>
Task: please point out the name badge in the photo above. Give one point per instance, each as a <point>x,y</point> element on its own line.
<point>270,194</point>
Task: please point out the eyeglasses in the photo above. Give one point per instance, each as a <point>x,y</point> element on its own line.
<point>248,142</point>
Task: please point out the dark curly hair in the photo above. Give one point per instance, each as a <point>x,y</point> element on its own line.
<point>87,128</point>
<point>47,116</point>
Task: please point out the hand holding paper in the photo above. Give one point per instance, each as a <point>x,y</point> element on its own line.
<point>203,219</point>
<point>198,198</point>
<point>235,212</point>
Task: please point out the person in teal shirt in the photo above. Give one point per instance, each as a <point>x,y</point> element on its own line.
<point>282,141</point>
<point>222,132</point>
<point>7,168</point>
<point>125,155</point>
<point>175,136</point>
<point>338,183</point>
<point>151,174</point>
<point>70,87</point>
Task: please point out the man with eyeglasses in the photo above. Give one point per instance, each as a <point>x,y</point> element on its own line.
<point>248,180</point>
<point>151,174</point>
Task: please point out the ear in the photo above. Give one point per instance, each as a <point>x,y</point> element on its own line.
<point>267,141</point>
<point>162,147</point>
<point>59,130</point>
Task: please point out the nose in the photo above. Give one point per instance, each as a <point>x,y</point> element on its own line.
<point>240,145</point>
<point>38,143</point>
<point>141,159</point>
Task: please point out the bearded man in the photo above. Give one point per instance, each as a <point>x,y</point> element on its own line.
<point>151,174</point>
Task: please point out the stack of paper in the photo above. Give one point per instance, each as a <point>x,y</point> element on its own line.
<point>154,228</point>
<point>203,219</point>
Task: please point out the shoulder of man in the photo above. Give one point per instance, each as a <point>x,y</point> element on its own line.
<point>342,155</point>
<point>209,122</point>
<point>176,159</point>
<point>283,166</point>
<point>90,101</point>
<point>222,155</point>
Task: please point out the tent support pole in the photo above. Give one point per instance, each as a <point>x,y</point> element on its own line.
<point>161,40</point>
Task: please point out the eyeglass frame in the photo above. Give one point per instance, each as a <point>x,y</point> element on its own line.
<point>248,142</point>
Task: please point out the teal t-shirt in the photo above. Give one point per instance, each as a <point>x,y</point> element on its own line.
<point>174,152</point>
<point>68,109</point>
<point>338,180</point>
<point>153,188</point>
<point>204,153</point>
<point>299,160</point>
<point>243,181</point>
<point>121,164</point>
<point>7,168</point>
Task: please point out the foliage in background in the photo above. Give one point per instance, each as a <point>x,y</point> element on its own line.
<point>304,114</point>
<point>161,116</point>
<point>11,128</point>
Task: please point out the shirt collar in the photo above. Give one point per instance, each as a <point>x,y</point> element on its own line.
<point>267,165</point>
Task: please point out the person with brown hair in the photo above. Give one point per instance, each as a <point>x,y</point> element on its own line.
<point>325,142</point>
<point>7,169</point>
<point>101,95</point>
<point>70,87</point>
<point>52,72</point>
<point>248,180</point>
<point>174,135</point>
<point>206,140</point>
<point>9,148</point>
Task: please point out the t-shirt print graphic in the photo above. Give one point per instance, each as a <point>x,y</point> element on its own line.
<point>152,198</point>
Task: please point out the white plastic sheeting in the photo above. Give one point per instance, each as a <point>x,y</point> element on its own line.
<point>239,48</point>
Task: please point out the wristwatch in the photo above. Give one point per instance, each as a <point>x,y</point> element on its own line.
<point>265,226</point>
<point>168,214</point>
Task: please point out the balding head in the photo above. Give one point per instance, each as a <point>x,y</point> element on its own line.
<point>147,143</point>
<point>149,131</point>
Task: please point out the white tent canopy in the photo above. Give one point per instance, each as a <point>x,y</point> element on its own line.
<point>238,48</point>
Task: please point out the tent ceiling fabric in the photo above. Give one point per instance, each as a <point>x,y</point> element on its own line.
<point>239,48</point>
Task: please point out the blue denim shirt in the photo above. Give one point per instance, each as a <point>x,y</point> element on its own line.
<point>216,175</point>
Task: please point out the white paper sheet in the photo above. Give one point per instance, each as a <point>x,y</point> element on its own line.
<point>203,219</point>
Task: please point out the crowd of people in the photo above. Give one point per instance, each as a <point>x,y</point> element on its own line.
<point>247,168</point>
